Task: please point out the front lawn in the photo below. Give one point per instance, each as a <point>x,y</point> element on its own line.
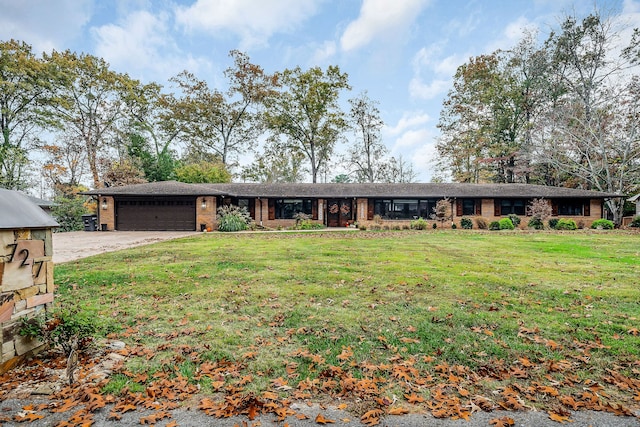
<point>448,322</point>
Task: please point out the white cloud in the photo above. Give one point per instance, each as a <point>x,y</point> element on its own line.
<point>410,138</point>
<point>512,34</point>
<point>253,21</point>
<point>323,53</point>
<point>421,90</point>
<point>44,24</point>
<point>409,120</point>
<point>142,46</point>
<point>380,18</point>
<point>424,158</point>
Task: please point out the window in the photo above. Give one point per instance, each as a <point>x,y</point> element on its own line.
<point>512,206</point>
<point>404,208</point>
<point>287,208</point>
<point>243,203</point>
<point>468,207</point>
<point>570,207</point>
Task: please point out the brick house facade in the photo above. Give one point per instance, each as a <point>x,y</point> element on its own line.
<point>173,205</point>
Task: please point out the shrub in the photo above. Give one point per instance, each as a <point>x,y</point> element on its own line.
<point>68,212</point>
<point>466,223</point>
<point>635,222</point>
<point>602,224</point>
<point>377,219</point>
<point>566,224</point>
<point>454,226</point>
<point>64,329</point>
<point>362,227</point>
<point>482,223</point>
<point>553,222</point>
<point>233,218</point>
<point>304,222</point>
<point>536,223</point>
<point>419,224</point>
<point>307,224</point>
<point>434,226</point>
<point>506,224</point>
<point>515,219</point>
<point>494,225</point>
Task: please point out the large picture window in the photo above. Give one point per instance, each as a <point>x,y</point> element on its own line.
<point>404,208</point>
<point>570,207</point>
<point>287,208</point>
<point>512,206</point>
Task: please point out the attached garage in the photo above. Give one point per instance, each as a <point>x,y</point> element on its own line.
<point>156,213</point>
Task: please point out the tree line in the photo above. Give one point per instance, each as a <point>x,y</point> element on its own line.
<point>90,123</point>
<point>563,111</point>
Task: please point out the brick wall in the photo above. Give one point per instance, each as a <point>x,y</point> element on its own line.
<point>595,212</point>
<point>106,216</point>
<point>206,213</point>
<point>26,289</point>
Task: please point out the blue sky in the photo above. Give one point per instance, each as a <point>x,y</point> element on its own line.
<point>402,52</point>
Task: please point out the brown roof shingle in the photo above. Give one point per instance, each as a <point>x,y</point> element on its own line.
<point>333,190</point>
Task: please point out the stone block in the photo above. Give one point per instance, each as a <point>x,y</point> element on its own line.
<point>6,311</point>
<point>39,300</point>
<point>50,281</point>
<point>24,234</point>
<point>9,349</point>
<point>42,289</point>
<point>16,275</point>
<point>48,243</point>
<point>6,238</point>
<point>10,330</point>
<point>26,293</point>
<point>25,344</point>
<point>35,249</point>
<point>20,305</point>
<point>40,271</point>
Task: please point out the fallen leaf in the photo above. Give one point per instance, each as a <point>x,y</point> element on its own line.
<point>320,419</point>
<point>502,422</point>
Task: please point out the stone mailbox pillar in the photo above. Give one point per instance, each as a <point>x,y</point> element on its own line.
<point>26,273</point>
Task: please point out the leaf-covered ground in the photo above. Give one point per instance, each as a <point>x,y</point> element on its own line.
<point>449,323</point>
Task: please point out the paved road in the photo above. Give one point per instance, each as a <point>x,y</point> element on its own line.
<point>196,418</point>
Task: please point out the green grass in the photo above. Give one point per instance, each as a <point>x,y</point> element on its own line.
<point>465,298</point>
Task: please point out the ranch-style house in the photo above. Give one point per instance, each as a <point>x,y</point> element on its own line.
<point>172,205</point>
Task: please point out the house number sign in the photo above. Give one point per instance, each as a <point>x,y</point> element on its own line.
<point>24,255</point>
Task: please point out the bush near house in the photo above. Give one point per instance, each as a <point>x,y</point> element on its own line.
<point>536,224</point>
<point>233,218</point>
<point>494,225</point>
<point>482,223</point>
<point>602,224</point>
<point>553,222</point>
<point>466,223</point>
<point>506,224</point>
<point>635,222</point>
<point>566,224</point>
<point>419,224</point>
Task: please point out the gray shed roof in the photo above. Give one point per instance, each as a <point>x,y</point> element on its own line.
<point>331,190</point>
<point>17,211</point>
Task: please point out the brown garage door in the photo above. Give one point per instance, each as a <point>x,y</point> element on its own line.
<point>156,214</point>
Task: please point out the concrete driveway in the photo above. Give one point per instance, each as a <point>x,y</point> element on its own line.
<point>80,244</point>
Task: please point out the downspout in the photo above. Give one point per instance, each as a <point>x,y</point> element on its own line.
<point>260,200</point>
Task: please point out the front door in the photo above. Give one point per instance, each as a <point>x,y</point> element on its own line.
<point>339,212</point>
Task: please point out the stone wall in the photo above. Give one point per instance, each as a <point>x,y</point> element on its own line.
<point>26,289</point>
